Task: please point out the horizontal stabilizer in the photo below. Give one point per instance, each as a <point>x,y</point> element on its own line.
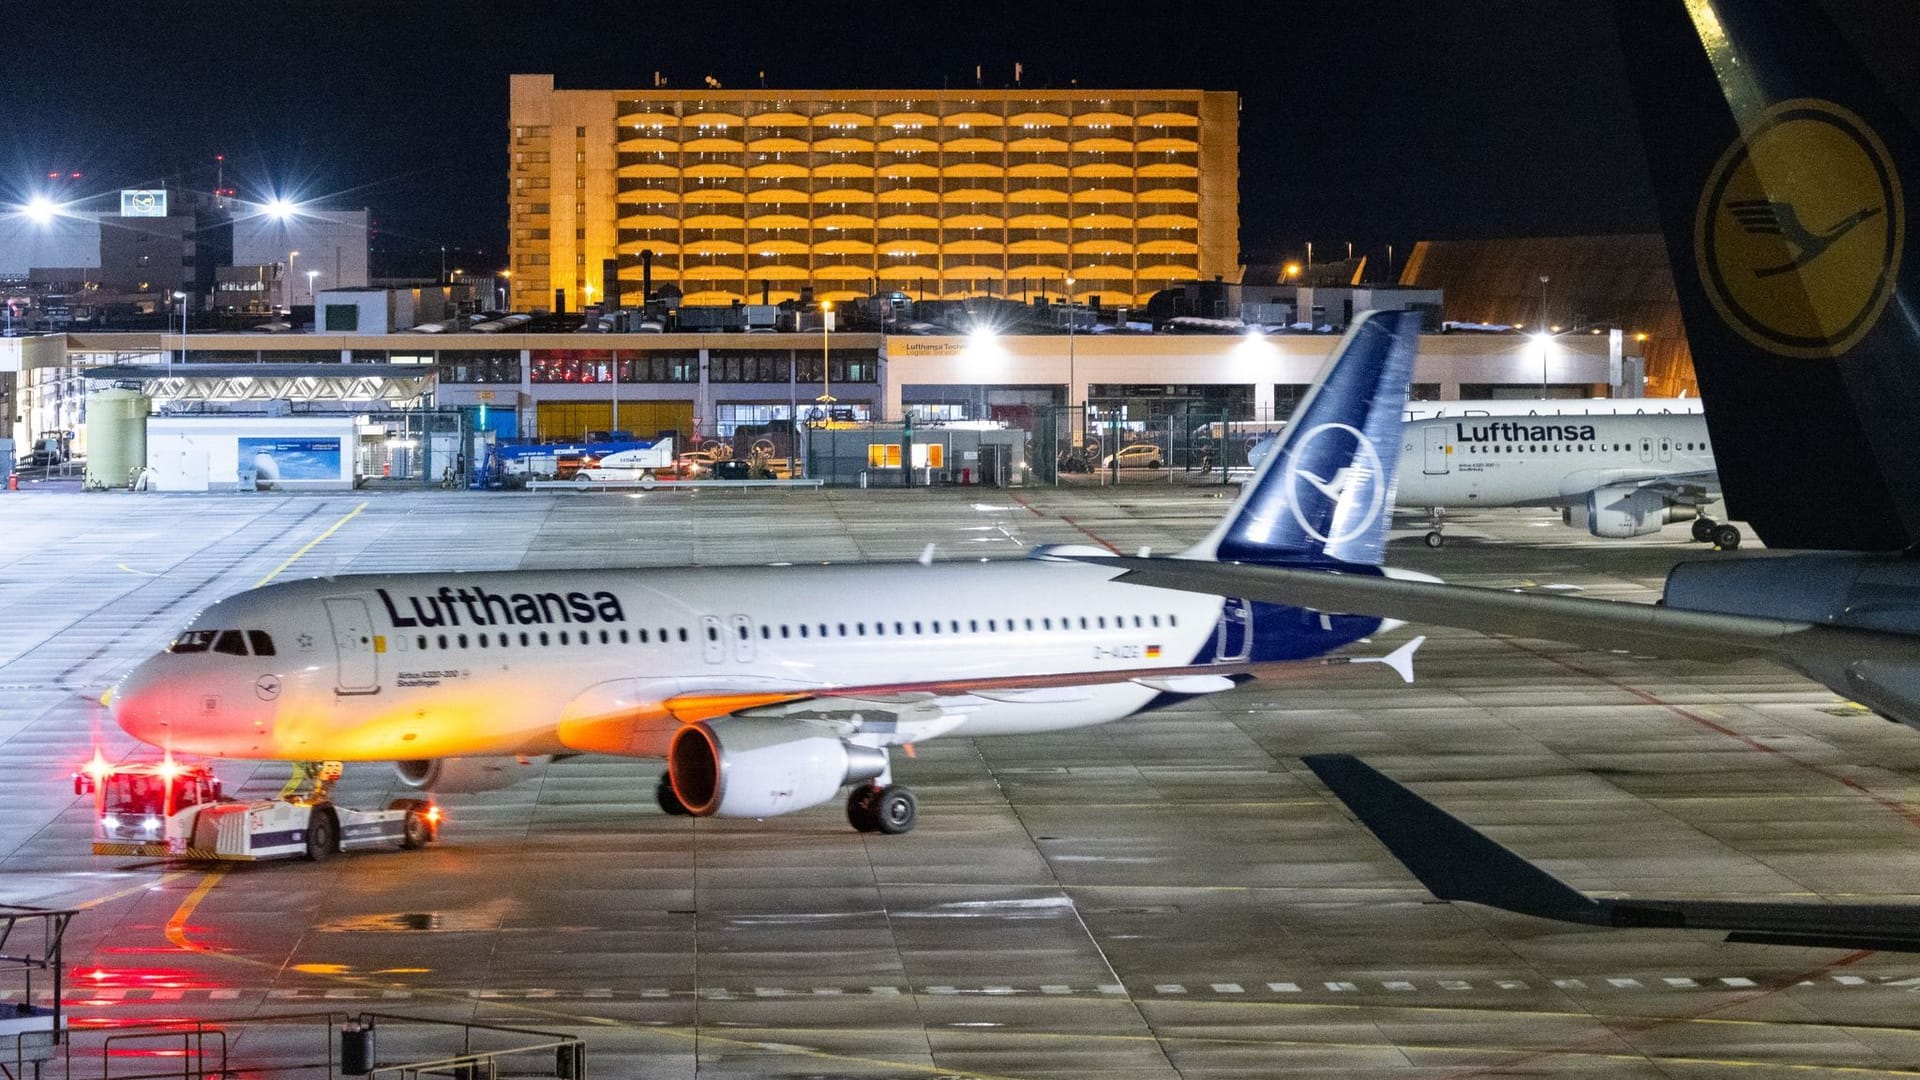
<point>1400,659</point>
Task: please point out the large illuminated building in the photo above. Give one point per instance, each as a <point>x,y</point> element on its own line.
<point>754,195</point>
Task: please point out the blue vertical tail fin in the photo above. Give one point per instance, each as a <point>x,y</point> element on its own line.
<point>1325,493</point>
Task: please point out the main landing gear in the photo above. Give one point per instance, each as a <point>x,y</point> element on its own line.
<point>881,808</point>
<point>1437,520</point>
<point>1708,531</point>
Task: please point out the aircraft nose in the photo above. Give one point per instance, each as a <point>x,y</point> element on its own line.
<point>141,704</point>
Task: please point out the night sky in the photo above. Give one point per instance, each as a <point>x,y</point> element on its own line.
<point>1367,122</point>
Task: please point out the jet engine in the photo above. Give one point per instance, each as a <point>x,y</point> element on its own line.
<point>1621,511</point>
<point>750,767</point>
<point>459,776</point>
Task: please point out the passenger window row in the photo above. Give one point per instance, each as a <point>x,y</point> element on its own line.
<point>1574,448</point>
<point>786,631</point>
<point>230,642</point>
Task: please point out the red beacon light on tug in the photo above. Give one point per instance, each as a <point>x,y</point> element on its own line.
<point>168,809</point>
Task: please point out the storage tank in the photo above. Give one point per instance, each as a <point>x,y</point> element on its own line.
<point>116,436</point>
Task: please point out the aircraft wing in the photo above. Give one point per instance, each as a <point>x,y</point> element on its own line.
<point>638,717</point>
<point>1455,861</point>
<point>1599,624</point>
<point>1687,489</point>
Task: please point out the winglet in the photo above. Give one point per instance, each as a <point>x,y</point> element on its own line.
<point>1451,858</point>
<point>1400,659</point>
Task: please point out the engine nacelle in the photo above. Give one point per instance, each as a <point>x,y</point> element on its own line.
<point>749,767</point>
<point>460,776</point>
<point>1620,512</point>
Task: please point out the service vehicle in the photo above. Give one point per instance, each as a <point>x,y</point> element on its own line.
<point>168,809</point>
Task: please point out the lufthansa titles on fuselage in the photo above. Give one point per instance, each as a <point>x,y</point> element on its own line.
<point>483,608</point>
<point>1515,431</point>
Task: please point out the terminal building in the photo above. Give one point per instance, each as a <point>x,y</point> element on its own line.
<point>735,387</point>
<point>751,196</point>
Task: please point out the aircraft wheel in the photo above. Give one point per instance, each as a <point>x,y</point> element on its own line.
<point>860,813</point>
<point>323,835</point>
<point>1726,537</point>
<point>1703,530</point>
<point>894,809</point>
<point>415,833</point>
<point>1434,539</point>
<point>669,799</point>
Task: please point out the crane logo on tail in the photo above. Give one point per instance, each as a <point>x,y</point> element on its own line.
<point>1799,232</point>
<point>1354,489</point>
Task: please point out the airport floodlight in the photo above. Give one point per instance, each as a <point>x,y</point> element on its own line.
<point>982,334</point>
<point>1293,270</point>
<point>179,296</point>
<point>41,210</point>
<point>281,209</point>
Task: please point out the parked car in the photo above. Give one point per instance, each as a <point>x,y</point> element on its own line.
<point>694,464</point>
<point>1137,456</point>
<point>732,469</point>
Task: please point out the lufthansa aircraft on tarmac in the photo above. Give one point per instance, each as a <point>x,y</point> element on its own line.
<point>1786,178</point>
<point>1612,475</point>
<point>769,689</point>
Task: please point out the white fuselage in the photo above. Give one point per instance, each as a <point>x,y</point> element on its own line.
<point>444,665</point>
<point>1543,460</point>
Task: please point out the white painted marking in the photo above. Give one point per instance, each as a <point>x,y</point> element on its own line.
<point>997,990</point>
<point>771,991</point>
<point>167,995</point>
<point>1569,984</point>
<point>941,990</point>
<point>1738,980</point>
<point>1398,984</point>
<point>1510,984</point>
<point>1339,987</point>
<point>1169,988</point>
<point>884,991</point>
<point>224,995</point>
<point>597,994</point>
<point>1055,988</point>
<point>1625,984</point>
<point>1849,980</point>
<point>654,992</point>
<point>1284,988</point>
<point>1681,982</point>
<point>828,991</point>
<point>1455,984</point>
<point>1227,988</point>
<point>1112,988</point>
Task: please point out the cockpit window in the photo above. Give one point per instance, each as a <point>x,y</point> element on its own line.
<point>231,643</point>
<point>262,642</point>
<point>192,641</point>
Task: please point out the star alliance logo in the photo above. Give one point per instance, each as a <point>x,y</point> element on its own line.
<point>1354,489</point>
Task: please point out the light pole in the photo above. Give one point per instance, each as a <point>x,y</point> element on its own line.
<point>1544,331</point>
<point>1076,430</point>
<point>311,274</point>
<point>286,287</point>
<point>826,398</point>
<point>182,297</point>
<point>506,278</point>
